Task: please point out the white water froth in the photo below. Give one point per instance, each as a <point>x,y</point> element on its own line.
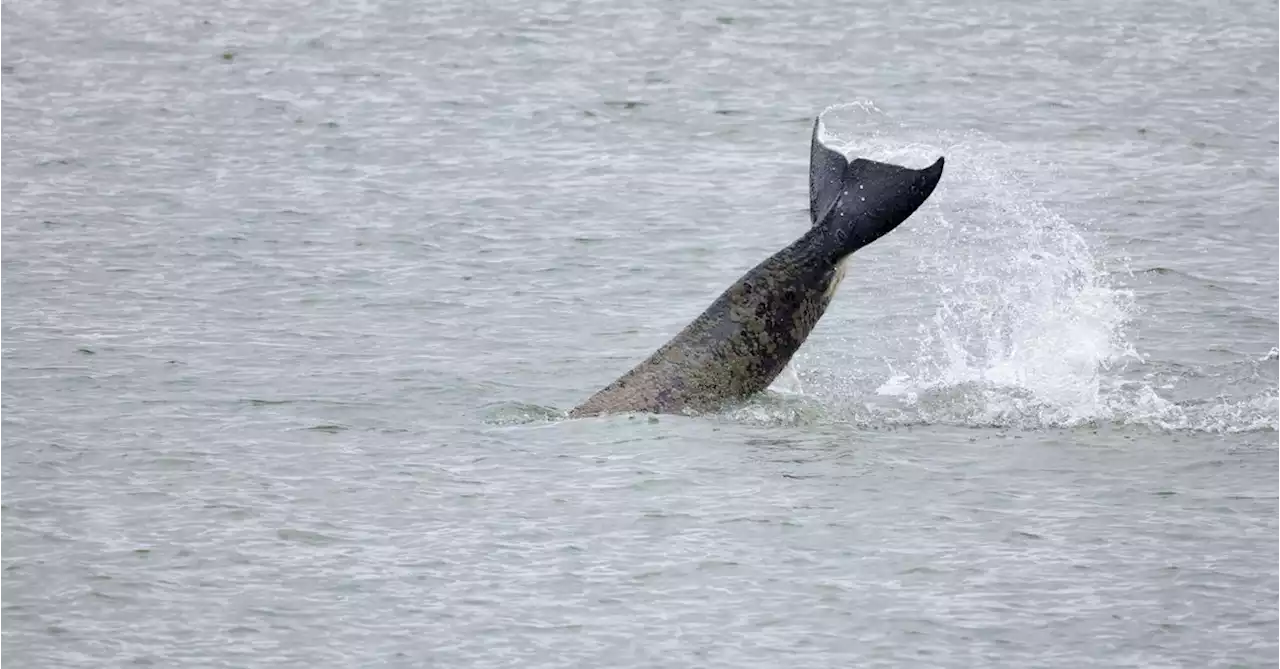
<point>1025,315</point>
<point>1027,328</point>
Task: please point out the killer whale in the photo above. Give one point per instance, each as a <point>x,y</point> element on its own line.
<point>740,344</point>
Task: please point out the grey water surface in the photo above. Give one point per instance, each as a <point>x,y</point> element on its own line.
<point>296,294</point>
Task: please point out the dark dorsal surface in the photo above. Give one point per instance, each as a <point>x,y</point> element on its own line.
<point>826,174</point>
<point>740,344</point>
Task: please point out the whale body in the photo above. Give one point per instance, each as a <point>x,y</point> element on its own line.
<point>740,343</point>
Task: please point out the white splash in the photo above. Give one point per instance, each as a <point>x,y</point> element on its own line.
<point>1026,327</point>
<point>788,382</point>
<point>1023,305</point>
<point>1025,320</point>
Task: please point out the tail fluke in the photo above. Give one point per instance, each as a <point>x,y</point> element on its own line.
<point>863,200</point>
<point>826,174</point>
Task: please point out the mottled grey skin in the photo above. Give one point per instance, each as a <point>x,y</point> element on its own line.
<point>740,344</point>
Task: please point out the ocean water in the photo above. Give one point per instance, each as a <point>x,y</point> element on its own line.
<point>296,295</point>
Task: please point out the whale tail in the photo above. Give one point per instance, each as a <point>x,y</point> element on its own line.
<point>863,200</point>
